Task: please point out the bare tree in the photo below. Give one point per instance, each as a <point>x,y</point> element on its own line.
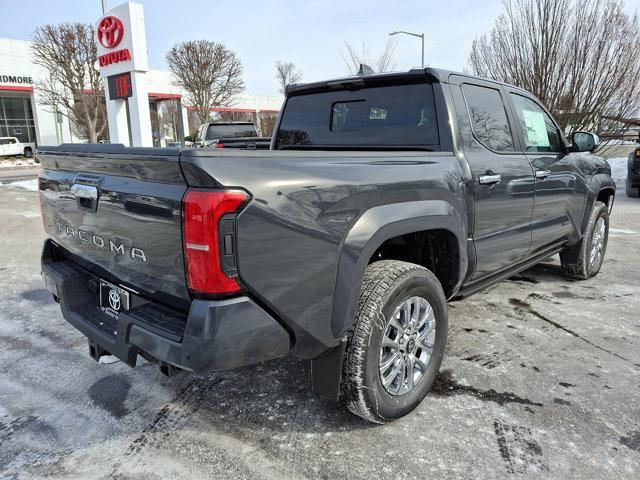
<point>210,73</point>
<point>171,118</point>
<point>233,116</point>
<point>578,56</point>
<point>267,123</point>
<point>382,61</point>
<point>287,73</point>
<point>69,53</point>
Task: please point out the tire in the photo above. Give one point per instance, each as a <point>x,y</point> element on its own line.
<point>28,152</point>
<point>577,260</point>
<point>632,192</point>
<point>387,285</point>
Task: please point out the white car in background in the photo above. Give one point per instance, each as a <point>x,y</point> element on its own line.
<point>12,146</point>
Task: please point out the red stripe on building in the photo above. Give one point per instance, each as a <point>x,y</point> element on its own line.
<point>15,88</point>
<point>164,96</point>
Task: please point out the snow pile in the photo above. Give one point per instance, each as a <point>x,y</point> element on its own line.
<point>22,162</point>
<point>31,185</point>
<point>618,169</point>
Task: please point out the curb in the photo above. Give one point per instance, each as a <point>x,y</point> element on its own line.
<point>20,167</point>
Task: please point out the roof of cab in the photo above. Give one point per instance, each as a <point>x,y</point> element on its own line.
<point>439,75</point>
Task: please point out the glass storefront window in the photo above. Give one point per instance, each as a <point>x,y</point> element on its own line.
<point>16,119</point>
<point>14,108</point>
<point>19,130</point>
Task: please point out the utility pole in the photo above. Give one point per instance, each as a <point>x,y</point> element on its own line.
<point>419,35</point>
<point>104,7</point>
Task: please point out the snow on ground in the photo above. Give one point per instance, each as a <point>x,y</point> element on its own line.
<point>20,162</point>
<point>31,185</point>
<point>618,169</point>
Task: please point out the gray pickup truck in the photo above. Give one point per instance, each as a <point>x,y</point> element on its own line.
<point>381,198</point>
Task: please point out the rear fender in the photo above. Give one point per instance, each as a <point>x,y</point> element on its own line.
<point>371,230</point>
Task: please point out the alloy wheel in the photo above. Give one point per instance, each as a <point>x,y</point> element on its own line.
<point>407,346</point>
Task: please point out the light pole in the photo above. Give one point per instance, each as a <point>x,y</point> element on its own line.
<point>419,35</point>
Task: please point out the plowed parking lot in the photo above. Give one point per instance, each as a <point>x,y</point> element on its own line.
<point>541,375</point>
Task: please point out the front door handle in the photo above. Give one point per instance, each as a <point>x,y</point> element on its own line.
<point>542,173</point>
<point>490,179</point>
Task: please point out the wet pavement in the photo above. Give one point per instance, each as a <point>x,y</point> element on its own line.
<point>541,375</point>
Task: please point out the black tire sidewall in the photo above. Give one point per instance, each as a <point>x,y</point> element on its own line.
<point>631,191</point>
<point>599,211</point>
<point>387,406</point>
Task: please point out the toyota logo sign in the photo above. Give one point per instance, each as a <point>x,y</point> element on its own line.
<point>110,31</point>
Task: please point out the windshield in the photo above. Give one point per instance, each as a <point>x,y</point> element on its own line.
<point>393,116</point>
<point>230,131</point>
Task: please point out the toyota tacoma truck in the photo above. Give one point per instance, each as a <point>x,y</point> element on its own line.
<point>381,198</point>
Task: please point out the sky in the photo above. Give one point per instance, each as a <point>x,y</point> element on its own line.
<point>309,34</point>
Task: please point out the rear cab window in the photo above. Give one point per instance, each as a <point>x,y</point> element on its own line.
<point>384,117</point>
<point>230,131</point>
<point>488,117</point>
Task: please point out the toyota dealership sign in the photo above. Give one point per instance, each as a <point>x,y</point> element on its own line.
<point>110,33</point>
<point>122,44</point>
<point>123,63</point>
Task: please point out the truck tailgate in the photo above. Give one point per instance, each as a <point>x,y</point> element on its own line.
<point>121,213</point>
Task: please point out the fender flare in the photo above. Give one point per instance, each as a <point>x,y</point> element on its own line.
<point>598,183</point>
<point>372,229</point>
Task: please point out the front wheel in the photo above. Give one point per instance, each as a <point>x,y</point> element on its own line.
<point>396,347</point>
<point>584,259</point>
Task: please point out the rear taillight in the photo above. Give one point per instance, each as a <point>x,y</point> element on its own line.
<point>219,145</point>
<point>209,243</point>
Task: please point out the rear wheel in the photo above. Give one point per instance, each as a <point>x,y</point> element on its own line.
<point>632,192</point>
<point>396,347</point>
<point>584,259</point>
<point>28,152</point>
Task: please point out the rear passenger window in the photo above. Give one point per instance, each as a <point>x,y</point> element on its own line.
<point>539,131</point>
<point>488,117</point>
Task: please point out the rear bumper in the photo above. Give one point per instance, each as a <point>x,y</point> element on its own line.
<point>214,335</point>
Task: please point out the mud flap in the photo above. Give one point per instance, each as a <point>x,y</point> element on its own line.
<point>326,372</point>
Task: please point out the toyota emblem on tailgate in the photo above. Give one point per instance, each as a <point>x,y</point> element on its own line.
<point>114,300</point>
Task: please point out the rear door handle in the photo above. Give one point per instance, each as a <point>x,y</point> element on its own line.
<point>542,173</point>
<point>490,179</point>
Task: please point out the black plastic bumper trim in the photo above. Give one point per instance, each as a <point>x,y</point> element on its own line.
<point>218,335</point>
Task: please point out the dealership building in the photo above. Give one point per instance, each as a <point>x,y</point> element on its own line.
<point>23,115</point>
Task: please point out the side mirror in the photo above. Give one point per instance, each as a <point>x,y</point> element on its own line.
<point>585,141</point>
